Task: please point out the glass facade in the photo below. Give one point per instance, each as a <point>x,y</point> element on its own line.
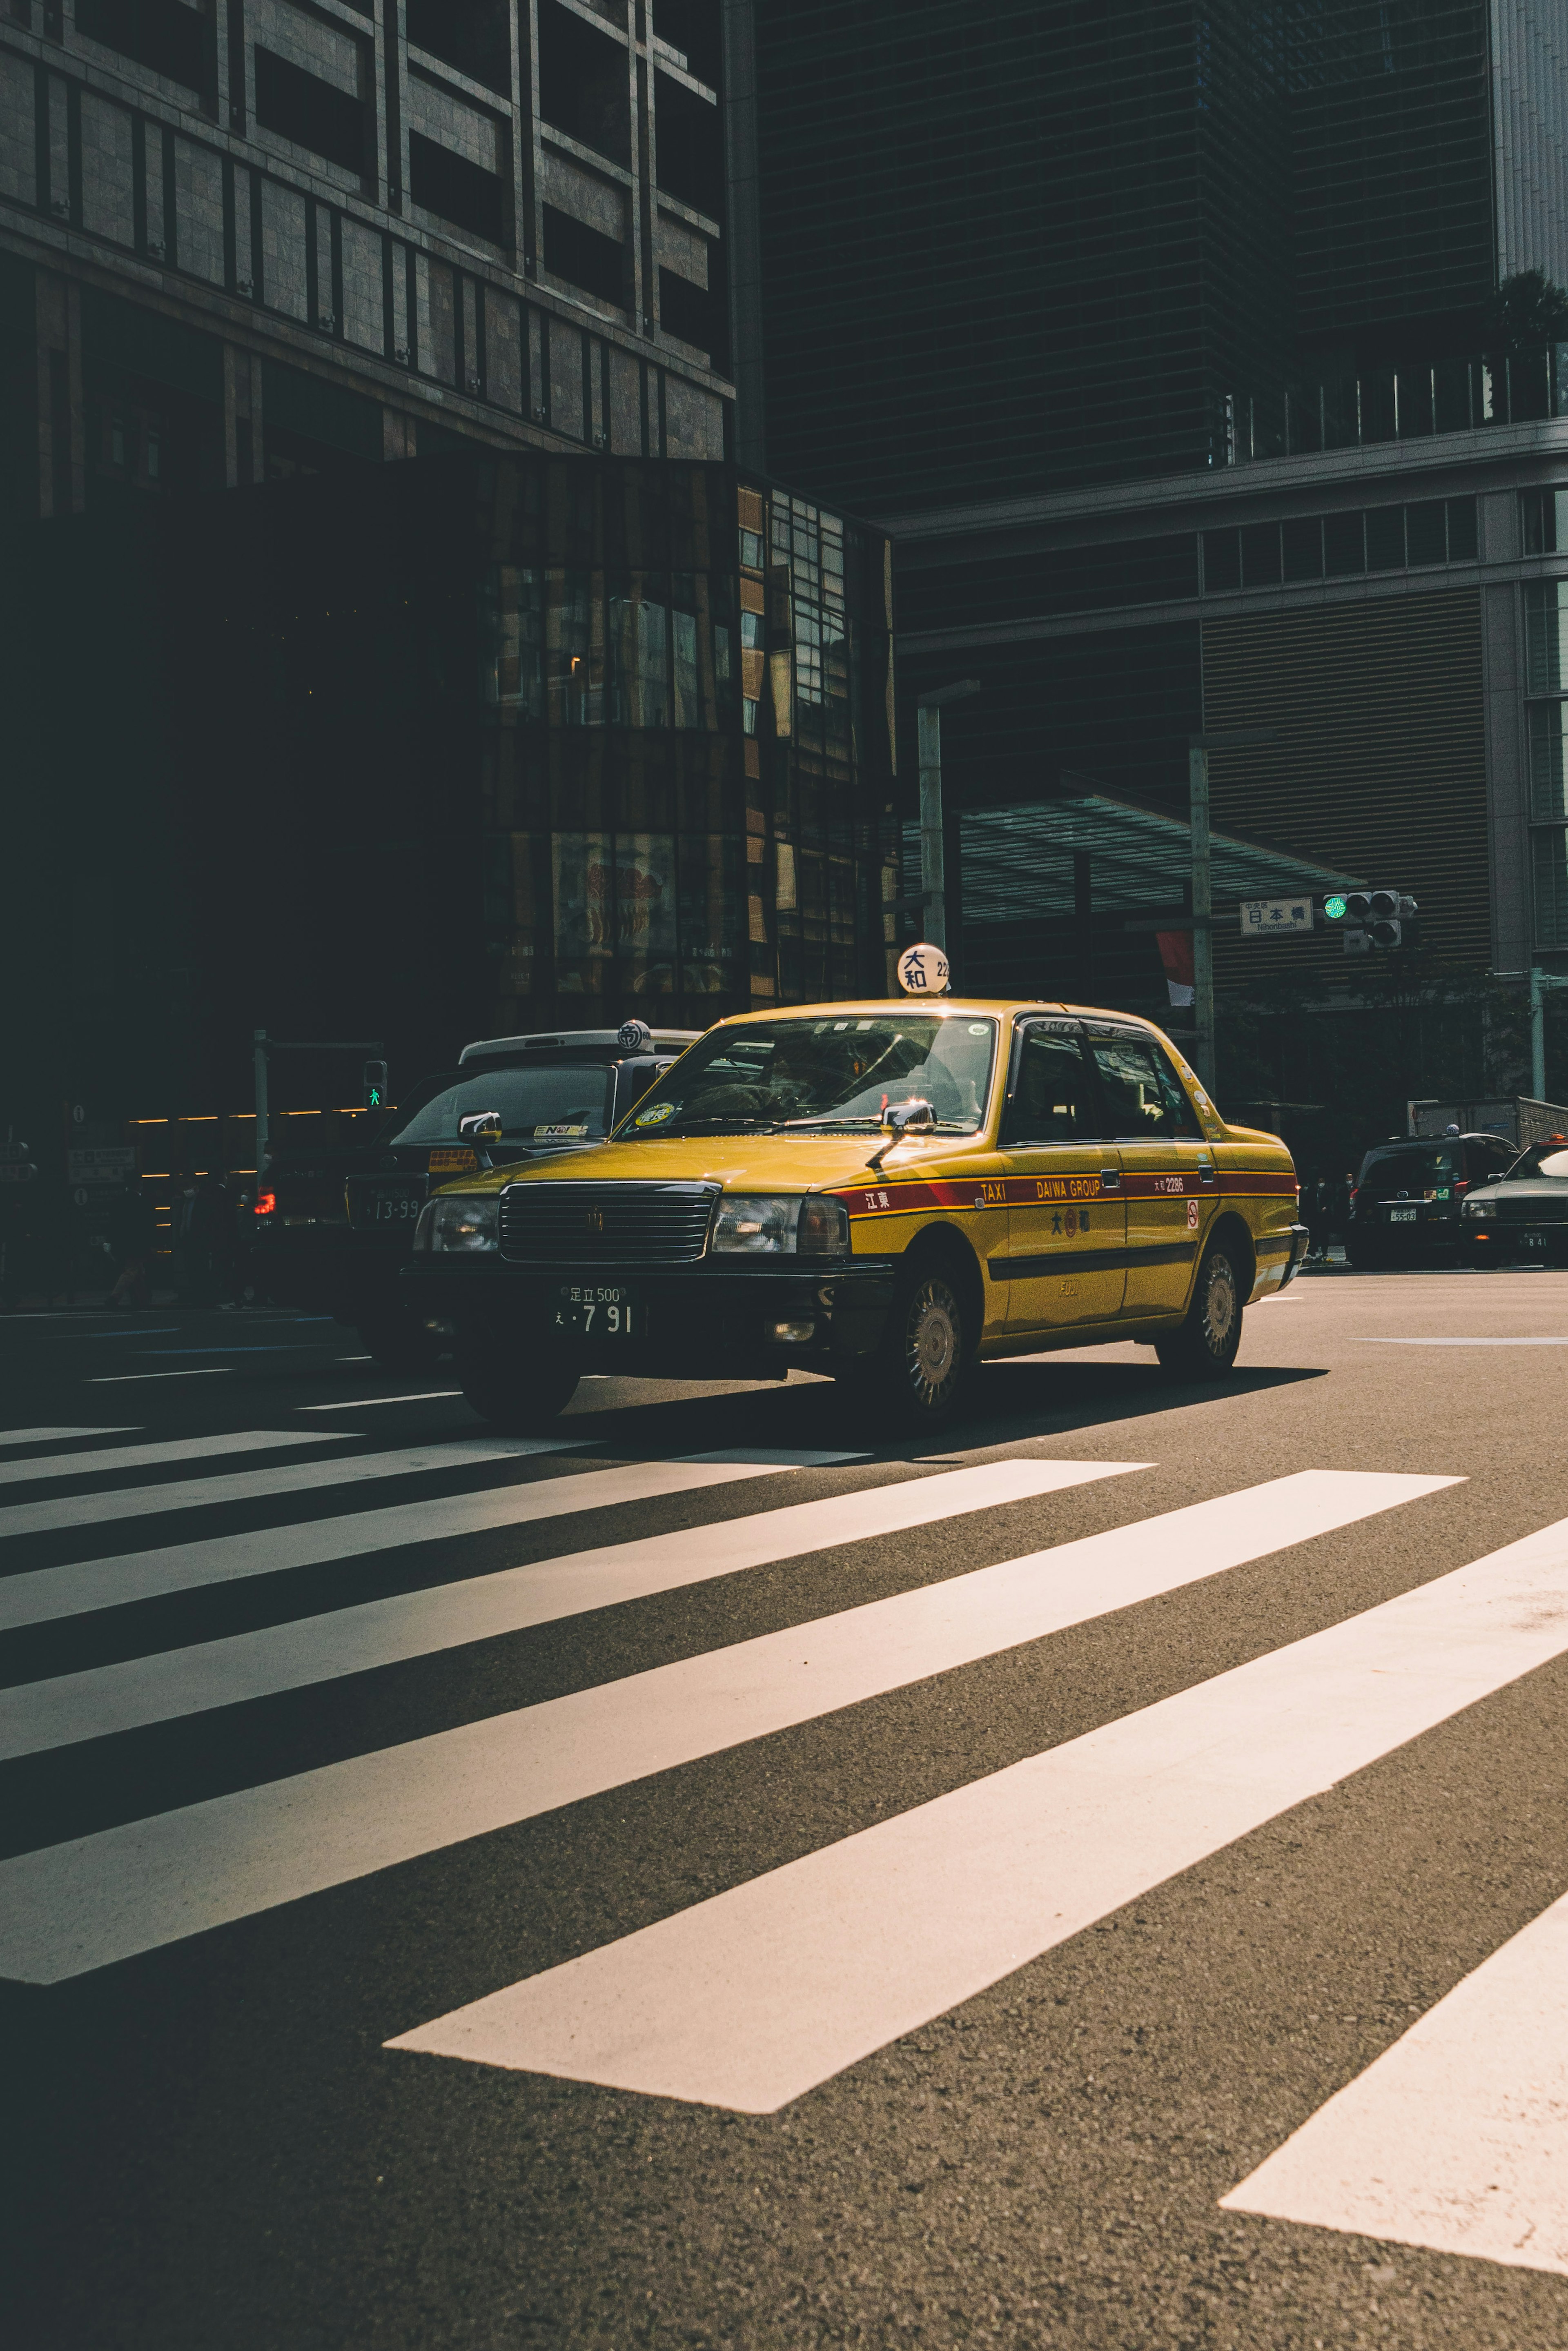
<point>1546,721</point>
<point>685,685</point>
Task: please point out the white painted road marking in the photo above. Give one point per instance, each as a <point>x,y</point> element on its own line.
<point>66,1514</point>
<point>129,1379</point>
<point>1365,1342</point>
<point>175,1682</point>
<point>1458,2135</point>
<point>134,1888</point>
<point>47,1435</point>
<point>49,1466</point>
<point>1455,2138</point>
<point>357,1403</point>
<point>52,1592</point>
<point>751,1999</point>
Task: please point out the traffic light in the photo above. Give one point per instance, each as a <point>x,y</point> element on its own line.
<point>1371,918</point>
<point>375,1084</point>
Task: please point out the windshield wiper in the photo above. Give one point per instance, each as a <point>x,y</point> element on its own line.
<point>690,1125</point>
<point>865,1118</point>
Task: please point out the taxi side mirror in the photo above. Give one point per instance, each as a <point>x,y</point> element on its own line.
<point>914,1117</point>
<point>480,1130</point>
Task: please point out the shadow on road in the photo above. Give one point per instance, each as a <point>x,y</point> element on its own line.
<point>1007,1404</point>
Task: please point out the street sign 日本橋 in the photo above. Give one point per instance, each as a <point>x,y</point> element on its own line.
<point>1276,918</point>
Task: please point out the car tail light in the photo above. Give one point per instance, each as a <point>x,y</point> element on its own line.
<point>266,1203</point>
<point>1461,1183</point>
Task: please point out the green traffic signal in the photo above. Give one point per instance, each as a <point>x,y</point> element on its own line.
<point>1334,909</point>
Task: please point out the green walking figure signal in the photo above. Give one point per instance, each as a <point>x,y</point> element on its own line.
<point>375,1085</point>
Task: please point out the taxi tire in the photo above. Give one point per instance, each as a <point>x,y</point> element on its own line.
<point>926,1333</point>
<point>508,1384</point>
<point>1204,1345</point>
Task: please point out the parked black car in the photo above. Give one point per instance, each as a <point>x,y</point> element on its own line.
<point>1523,1219</point>
<point>332,1227</point>
<point>1407,1200</point>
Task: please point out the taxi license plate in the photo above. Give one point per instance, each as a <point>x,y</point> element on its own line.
<point>1403,1215</point>
<point>1533,1240</point>
<point>599,1309</point>
<point>394,1204</point>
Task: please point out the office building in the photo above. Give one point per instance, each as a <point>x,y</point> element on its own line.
<point>1165,343</point>
<point>467,746</point>
<point>245,239</point>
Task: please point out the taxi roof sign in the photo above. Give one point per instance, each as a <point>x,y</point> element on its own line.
<point>923,970</point>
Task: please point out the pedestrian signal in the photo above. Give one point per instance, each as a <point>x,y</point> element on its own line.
<point>375,1085</point>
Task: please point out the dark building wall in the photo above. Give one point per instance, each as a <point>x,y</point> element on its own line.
<point>430,752</point>
<point>1378,766</point>
<point>1392,130</point>
<point>1013,245</point>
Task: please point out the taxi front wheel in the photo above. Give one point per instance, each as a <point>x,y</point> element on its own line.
<point>510,1383</point>
<point>917,1371</point>
<point>1203,1347</point>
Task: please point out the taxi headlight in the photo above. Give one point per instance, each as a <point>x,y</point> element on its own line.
<point>1477,1207</point>
<point>458,1227</point>
<point>760,1224</point>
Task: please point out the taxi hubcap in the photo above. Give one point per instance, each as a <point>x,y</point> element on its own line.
<point>933,1339</point>
<point>1220,1305</point>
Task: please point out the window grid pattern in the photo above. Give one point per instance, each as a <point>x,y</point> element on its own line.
<point>1546,734</point>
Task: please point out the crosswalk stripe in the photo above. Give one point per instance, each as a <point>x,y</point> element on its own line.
<point>74,1907</point>
<point>66,1514</point>
<point>751,1999</point>
<point>172,1683</point>
<point>47,1436</point>
<point>52,1592</point>
<point>369,1404</point>
<point>1455,2138</point>
<point>48,1466</point>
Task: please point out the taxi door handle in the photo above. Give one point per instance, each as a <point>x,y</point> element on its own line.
<point>1109,1179</point>
<point>1205,1172</point>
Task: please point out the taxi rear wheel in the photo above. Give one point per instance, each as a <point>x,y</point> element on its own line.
<point>511,1382</point>
<point>917,1373</point>
<point>1203,1346</point>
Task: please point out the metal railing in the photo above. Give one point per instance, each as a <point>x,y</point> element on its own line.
<point>1393,404</point>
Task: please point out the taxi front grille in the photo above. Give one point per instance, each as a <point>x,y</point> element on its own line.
<point>1530,1208</point>
<point>593,1224</point>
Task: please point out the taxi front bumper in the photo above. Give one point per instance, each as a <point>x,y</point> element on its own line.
<point>704,1320</point>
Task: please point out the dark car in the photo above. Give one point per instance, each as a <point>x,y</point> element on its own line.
<point>332,1227</point>
<point>1407,1200</point>
<point>1524,1218</point>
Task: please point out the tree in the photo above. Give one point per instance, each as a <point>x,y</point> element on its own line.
<point>1526,311</point>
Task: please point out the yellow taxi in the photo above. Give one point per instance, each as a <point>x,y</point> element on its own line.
<point>887,1191</point>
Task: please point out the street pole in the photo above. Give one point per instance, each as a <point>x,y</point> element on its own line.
<point>261,1133</point>
<point>933,873</point>
<point>1198,748</point>
<point>1202,909</point>
<point>933,863</point>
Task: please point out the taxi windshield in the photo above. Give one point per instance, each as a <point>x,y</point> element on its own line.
<point>541,1104</point>
<point>825,1073</point>
<point>1540,1159</point>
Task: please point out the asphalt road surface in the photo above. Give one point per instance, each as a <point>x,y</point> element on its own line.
<point>698,1881</point>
